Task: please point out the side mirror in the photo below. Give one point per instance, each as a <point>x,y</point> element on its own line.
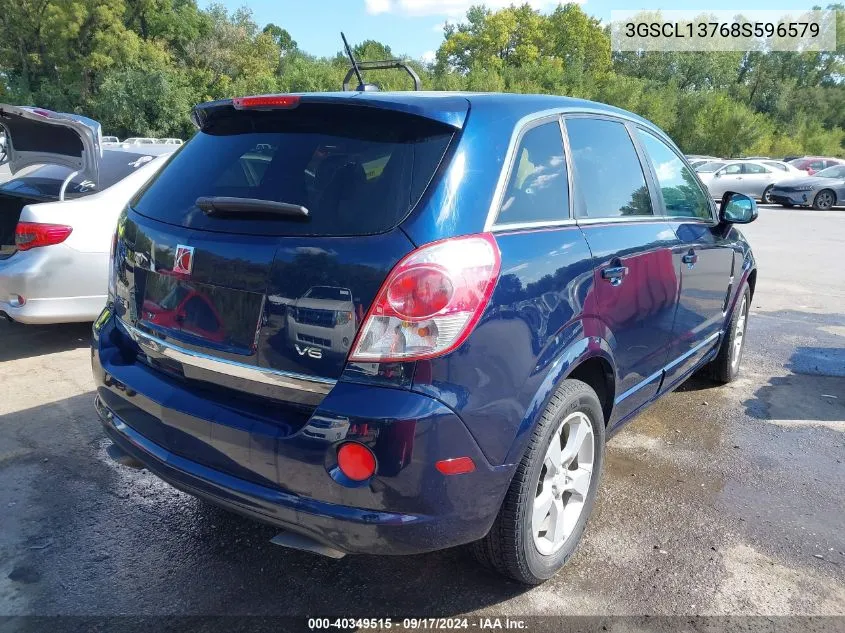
<point>737,208</point>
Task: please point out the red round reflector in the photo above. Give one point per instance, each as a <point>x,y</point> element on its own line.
<point>356,461</point>
<point>455,466</point>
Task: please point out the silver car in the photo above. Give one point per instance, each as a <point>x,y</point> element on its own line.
<point>822,191</point>
<point>58,213</point>
<point>752,178</point>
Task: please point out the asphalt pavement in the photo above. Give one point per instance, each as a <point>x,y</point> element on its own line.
<point>718,500</point>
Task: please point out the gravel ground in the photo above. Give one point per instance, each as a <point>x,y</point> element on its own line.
<point>716,501</point>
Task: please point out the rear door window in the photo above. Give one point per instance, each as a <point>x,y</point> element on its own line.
<point>751,168</point>
<point>357,170</point>
<point>537,189</point>
<point>609,179</point>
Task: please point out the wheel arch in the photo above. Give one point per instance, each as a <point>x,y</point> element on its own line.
<point>589,359</point>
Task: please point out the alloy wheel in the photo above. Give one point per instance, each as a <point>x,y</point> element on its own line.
<point>739,333</point>
<point>563,484</point>
<point>824,200</point>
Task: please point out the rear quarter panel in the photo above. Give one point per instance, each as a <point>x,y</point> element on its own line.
<point>536,317</point>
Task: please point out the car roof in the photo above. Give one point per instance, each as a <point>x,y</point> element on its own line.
<point>510,106</point>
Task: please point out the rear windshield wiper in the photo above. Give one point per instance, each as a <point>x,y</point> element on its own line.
<point>221,206</point>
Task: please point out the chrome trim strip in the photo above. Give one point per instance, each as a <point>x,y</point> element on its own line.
<point>639,386</point>
<point>632,219</point>
<point>675,362</point>
<point>542,224</point>
<point>686,355</point>
<point>189,358</point>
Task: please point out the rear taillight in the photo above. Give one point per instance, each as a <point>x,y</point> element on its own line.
<point>34,234</point>
<point>431,301</point>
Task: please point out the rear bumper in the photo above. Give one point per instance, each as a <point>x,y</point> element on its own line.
<point>59,285</point>
<point>288,478</point>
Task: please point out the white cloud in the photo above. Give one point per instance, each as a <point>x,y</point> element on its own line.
<point>377,6</point>
<point>428,57</point>
<point>451,8</point>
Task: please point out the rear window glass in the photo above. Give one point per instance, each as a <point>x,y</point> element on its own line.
<point>357,170</point>
<point>45,181</point>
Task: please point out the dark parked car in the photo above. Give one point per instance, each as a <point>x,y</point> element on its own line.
<point>821,191</point>
<point>532,272</point>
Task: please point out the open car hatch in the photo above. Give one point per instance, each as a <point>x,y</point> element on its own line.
<point>41,137</point>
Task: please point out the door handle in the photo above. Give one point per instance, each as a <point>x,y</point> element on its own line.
<point>614,274</point>
<point>690,259</point>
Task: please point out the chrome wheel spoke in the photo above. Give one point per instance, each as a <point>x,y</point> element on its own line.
<point>579,482</point>
<point>571,514</point>
<point>557,528</point>
<point>578,433</point>
<point>553,460</point>
<point>542,506</point>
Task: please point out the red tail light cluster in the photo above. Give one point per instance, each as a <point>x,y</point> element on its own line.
<point>431,301</point>
<point>33,235</point>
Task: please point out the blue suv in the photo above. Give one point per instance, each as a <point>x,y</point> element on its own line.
<point>391,323</point>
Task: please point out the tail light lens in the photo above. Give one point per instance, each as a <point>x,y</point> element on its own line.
<point>33,234</point>
<point>431,301</point>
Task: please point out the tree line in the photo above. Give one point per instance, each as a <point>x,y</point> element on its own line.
<point>138,66</point>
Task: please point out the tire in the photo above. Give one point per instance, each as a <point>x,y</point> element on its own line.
<point>824,200</point>
<point>725,367</point>
<point>766,198</point>
<point>511,547</point>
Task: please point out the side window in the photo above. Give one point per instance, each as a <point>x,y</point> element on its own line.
<point>731,170</point>
<point>751,168</point>
<point>608,177</point>
<point>682,194</point>
<point>817,164</point>
<point>537,189</point>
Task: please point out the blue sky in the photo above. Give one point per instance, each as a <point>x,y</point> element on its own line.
<point>414,27</point>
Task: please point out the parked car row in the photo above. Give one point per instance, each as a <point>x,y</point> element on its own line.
<point>140,140</point>
<point>814,180</point>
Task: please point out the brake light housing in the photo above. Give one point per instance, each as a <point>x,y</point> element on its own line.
<point>29,235</point>
<point>430,301</point>
<point>266,102</point>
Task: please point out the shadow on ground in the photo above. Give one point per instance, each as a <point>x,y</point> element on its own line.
<point>24,341</point>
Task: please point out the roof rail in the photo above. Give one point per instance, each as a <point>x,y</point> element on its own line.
<point>385,64</point>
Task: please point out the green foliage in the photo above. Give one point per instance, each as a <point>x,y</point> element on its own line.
<point>139,65</point>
